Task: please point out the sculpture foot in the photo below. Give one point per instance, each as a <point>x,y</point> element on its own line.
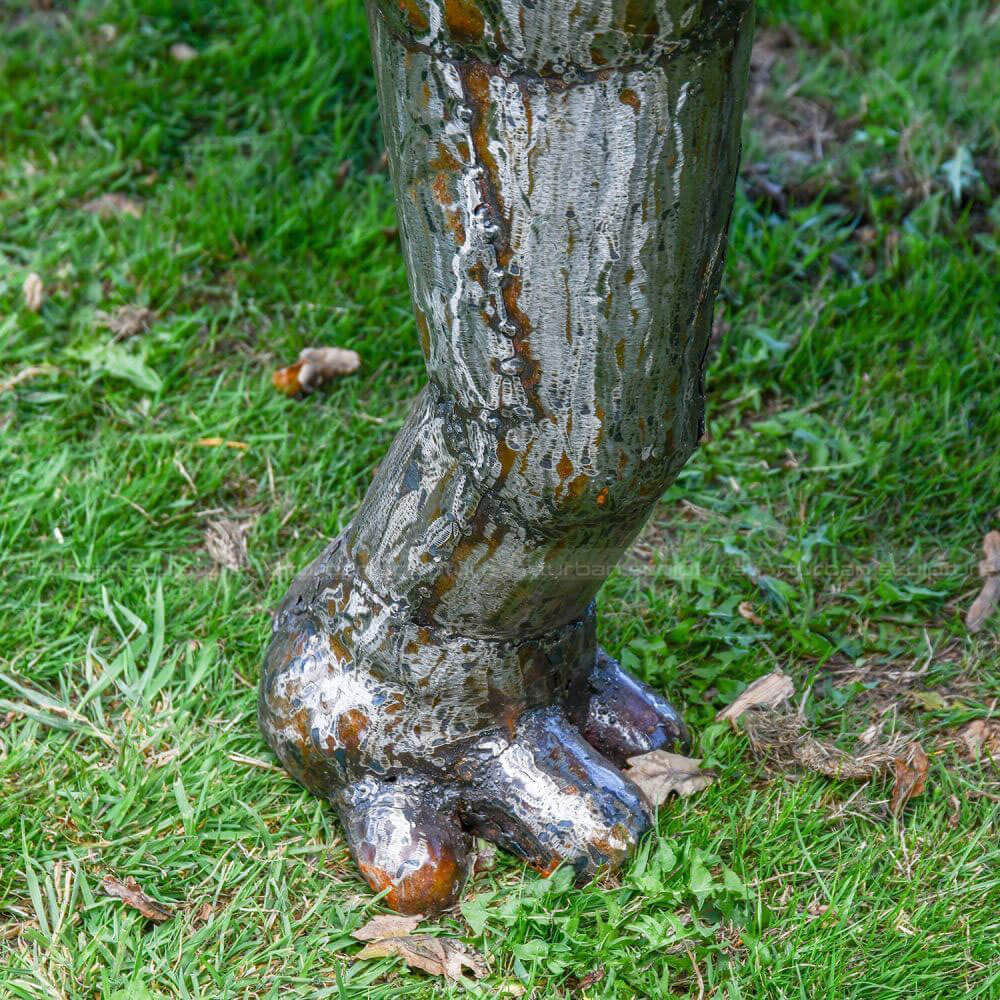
<point>405,836</point>
<point>548,797</point>
<point>622,716</point>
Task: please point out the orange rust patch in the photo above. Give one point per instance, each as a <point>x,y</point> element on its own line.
<point>339,650</point>
<point>579,486</point>
<point>351,728</point>
<point>444,161</point>
<point>602,497</point>
<point>414,15</point>
<point>425,336</point>
<point>457,227</point>
<point>631,98</point>
<point>464,20</point>
<point>620,353</point>
<point>564,467</point>
<point>546,868</point>
<point>506,455</point>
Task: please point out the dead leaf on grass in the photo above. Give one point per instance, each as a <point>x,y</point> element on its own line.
<point>747,612</point>
<point>768,691</point>
<point>130,893</point>
<point>435,956</point>
<point>387,925</point>
<point>980,734</point>
<point>660,774</point>
<point>126,321</point>
<point>989,596</point>
<point>108,206</point>
<point>226,544</point>
<point>32,371</point>
<point>911,777</point>
<point>182,52</point>
<point>316,365</point>
<point>217,442</point>
<point>34,292</point>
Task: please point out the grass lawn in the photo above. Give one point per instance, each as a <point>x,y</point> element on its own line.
<point>850,472</point>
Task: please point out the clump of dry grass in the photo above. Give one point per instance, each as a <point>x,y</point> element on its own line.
<point>783,739</point>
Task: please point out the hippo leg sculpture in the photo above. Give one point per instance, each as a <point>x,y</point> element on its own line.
<point>564,172</point>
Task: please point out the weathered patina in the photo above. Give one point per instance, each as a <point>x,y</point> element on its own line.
<point>564,173</point>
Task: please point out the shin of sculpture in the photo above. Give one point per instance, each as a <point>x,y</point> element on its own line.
<point>563,173</point>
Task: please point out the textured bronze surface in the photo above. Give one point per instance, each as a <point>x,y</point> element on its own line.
<point>563,173</point>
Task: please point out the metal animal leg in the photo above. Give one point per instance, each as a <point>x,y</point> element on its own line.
<point>564,173</point>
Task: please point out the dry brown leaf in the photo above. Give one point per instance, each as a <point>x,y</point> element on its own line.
<point>747,612</point>
<point>182,52</point>
<point>387,925</point>
<point>989,596</point>
<point>34,292</point>
<point>108,206</point>
<point>978,734</point>
<point>436,956</point>
<point>911,776</point>
<point>129,892</point>
<point>226,543</point>
<point>216,442</point>
<point>315,366</point>
<point>32,371</point>
<point>126,321</point>
<point>768,691</point>
<point>660,773</point>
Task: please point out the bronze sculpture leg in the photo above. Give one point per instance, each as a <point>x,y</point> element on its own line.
<point>564,173</point>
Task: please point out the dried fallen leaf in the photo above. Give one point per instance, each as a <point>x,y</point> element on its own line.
<point>34,292</point>
<point>387,925</point>
<point>204,913</point>
<point>747,612</point>
<point>436,956</point>
<point>126,321</point>
<point>32,371</point>
<point>130,893</point>
<point>989,596</point>
<point>215,442</point>
<point>107,206</point>
<point>981,733</point>
<point>768,691</point>
<point>660,773</point>
<point>182,52</point>
<point>591,977</point>
<point>911,776</point>
<point>315,366</point>
<point>226,543</point>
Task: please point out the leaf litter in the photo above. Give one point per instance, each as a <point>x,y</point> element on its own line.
<point>391,935</point>
<point>988,598</point>
<point>660,774</point>
<point>315,367</point>
<point>130,893</point>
